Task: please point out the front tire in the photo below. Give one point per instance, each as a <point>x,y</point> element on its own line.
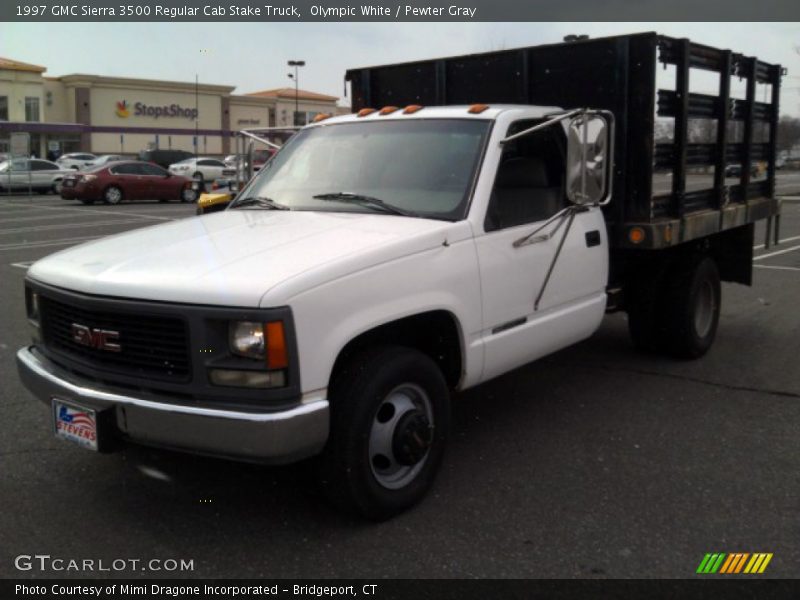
<point>390,415</point>
<point>112,195</point>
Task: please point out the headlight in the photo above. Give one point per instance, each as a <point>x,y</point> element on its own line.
<point>246,339</point>
<point>88,178</point>
<point>264,342</point>
<point>261,341</point>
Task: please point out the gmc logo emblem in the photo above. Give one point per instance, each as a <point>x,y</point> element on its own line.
<point>102,339</point>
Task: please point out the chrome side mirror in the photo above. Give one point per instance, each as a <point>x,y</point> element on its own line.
<point>589,158</point>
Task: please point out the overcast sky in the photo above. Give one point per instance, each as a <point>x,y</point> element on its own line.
<point>252,56</point>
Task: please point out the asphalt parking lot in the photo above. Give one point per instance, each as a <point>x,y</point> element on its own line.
<point>594,462</point>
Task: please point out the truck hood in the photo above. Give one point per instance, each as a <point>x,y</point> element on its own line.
<point>233,258</point>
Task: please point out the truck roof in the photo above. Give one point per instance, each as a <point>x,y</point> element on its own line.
<point>460,111</point>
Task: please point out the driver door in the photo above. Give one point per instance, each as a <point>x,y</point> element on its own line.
<point>527,314</point>
<point>157,183</point>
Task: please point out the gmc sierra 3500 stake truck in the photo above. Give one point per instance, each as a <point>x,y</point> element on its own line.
<point>384,259</point>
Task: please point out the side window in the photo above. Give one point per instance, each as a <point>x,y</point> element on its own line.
<point>529,185</point>
<point>42,165</point>
<point>128,169</point>
<point>209,163</point>
<point>152,170</point>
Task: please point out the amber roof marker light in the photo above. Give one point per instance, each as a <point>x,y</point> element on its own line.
<point>477,109</point>
<point>365,111</point>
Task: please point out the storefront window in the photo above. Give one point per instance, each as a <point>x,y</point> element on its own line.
<point>3,108</point>
<point>32,109</point>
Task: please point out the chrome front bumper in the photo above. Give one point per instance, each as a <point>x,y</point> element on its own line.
<point>269,437</point>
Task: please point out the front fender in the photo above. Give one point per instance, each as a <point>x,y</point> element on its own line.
<point>331,315</point>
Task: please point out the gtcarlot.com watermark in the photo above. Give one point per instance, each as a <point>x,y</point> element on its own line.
<point>48,563</point>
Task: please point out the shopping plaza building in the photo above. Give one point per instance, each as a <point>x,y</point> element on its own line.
<point>120,115</point>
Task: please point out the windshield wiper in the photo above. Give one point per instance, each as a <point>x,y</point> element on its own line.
<point>261,202</point>
<point>362,199</point>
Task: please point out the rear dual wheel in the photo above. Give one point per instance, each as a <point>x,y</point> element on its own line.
<point>677,311</point>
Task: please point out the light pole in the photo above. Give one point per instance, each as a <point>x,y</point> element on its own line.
<point>196,115</point>
<point>203,52</point>
<point>296,64</point>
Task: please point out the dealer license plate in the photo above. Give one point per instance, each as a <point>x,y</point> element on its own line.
<point>75,423</point>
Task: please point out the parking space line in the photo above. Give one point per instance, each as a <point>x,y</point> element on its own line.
<point>15,208</point>
<point>44,244</point>
<point>38,218</point>
<point>783,241</point>
<point>779,252</point>
<point>777,267</point>
<point>35,228</point>
<point>103,212</point>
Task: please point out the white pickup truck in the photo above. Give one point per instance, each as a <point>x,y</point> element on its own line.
<point>378,263</point>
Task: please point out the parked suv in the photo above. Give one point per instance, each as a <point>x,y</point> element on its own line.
<point>164,158</point>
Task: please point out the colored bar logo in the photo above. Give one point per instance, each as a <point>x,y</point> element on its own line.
<point>737,562</point>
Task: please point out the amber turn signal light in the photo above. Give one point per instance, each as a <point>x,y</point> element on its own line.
<point>277,353</point>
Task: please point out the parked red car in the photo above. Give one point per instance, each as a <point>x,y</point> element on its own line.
<point>128,180</point>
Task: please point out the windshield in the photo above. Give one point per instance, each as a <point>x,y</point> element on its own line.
<point>423,167</point>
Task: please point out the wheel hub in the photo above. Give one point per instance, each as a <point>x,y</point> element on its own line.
<point>413,436</point>
<point>400,437</point>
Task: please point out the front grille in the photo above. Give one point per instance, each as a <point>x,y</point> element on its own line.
<point>151,346</point>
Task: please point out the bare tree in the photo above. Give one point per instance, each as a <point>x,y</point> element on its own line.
<point>788,133</point>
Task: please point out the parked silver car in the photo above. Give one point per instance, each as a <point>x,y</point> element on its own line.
<point>39,175</point>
